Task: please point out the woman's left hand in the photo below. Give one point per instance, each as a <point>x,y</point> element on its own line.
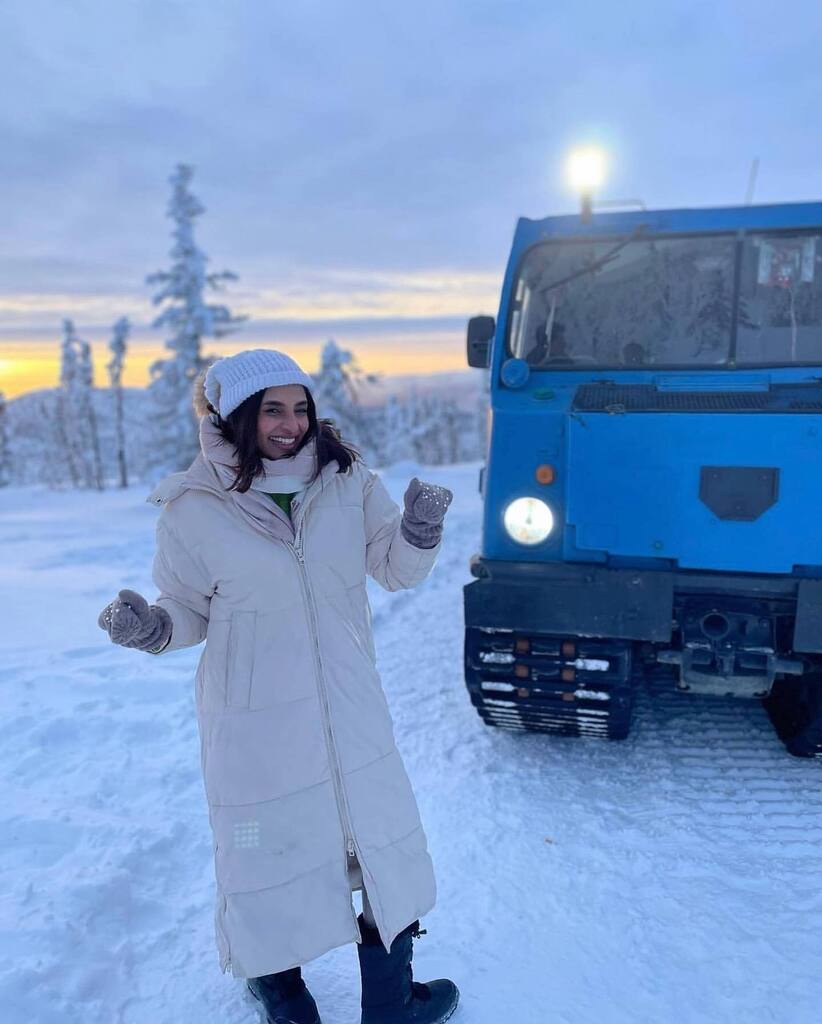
<point>425,508</point>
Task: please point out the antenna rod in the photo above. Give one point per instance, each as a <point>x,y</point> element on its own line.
<point>752,176</point>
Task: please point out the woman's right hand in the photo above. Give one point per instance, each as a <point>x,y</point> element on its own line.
<point>131,621</point>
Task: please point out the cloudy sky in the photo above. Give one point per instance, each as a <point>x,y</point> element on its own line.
<point>363,164</point>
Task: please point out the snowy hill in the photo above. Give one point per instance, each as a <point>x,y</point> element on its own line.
<point>670,879</point>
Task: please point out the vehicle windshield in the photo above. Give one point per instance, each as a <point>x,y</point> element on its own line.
<point>673,302</point>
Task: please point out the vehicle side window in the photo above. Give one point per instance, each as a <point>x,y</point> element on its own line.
<point>780,301</point>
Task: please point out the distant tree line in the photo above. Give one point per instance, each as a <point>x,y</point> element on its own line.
<point>83,436</point>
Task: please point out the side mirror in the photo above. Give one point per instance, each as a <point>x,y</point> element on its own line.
<point>480,334</point>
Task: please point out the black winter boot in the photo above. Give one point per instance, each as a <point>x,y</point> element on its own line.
<point>285,998</point>
<point>389,993</point>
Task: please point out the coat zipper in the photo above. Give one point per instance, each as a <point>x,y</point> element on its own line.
<point>339,791</point>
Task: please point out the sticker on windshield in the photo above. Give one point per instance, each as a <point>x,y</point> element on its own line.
<point>785,263</point>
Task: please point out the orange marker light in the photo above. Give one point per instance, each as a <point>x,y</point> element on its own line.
<point>545,474</point>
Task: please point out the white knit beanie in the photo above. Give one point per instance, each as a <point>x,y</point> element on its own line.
<point>231,380</point>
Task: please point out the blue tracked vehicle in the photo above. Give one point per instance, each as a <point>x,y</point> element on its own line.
<point>653,484</point>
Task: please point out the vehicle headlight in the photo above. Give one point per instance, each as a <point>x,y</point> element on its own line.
<point>528,520</point>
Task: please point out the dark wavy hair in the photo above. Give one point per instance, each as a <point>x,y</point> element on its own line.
<point>240,429</point>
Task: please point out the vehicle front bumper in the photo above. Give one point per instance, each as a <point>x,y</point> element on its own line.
<point>571,599</point>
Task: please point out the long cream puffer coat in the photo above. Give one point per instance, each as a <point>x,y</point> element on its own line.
<point>299,761</point>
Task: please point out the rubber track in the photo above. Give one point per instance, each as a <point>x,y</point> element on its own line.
<point>562,714</point>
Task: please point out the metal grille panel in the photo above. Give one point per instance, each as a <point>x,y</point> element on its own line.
<point>623,398</point>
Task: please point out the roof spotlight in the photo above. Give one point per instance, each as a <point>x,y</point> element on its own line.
<point>586,173</point>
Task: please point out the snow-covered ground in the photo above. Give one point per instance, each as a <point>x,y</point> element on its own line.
<point>673,878</point>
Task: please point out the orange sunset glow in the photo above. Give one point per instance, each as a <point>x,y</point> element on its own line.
<point>29,366</point>
<point>394,323</point>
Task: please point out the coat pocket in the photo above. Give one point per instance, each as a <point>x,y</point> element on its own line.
<point>240,659</point>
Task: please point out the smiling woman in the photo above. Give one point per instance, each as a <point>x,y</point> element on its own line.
<point>263,549</point>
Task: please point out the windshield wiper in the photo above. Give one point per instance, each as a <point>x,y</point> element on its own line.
<point>592,268</point>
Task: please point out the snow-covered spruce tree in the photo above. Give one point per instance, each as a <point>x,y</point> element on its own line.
<point>189,319</point>
<point>117,345</point>
<point>338,381</point>
<point>65,424</point>
<point>85,380</point>
<point>5,449</point>
<point>76,417</point>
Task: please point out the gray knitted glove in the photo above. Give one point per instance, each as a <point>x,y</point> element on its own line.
<point>425,508</point>
<point>132,622</point>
